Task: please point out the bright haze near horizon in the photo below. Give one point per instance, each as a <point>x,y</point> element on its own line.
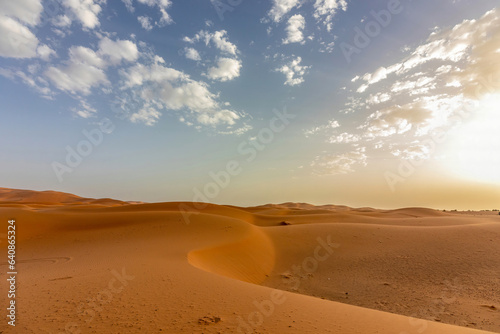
<point>362,103</point>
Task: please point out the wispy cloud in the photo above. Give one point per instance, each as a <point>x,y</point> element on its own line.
<point>408,101</point>
<point>294,71</point>
<point>333,164</point>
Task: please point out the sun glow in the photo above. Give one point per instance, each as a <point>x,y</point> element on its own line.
<point>475,146</point>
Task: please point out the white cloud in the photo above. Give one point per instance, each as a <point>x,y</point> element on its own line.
<point>85,110</point>
<point>162,6</point>
<point>400,86</point>
<point>353,104</point>
<point>470,41</point>
<point>482,73</point>
<point>76,77</point>
<point>220,116</point>
<point>158,59</point>
<point>362,88</point>
<point>84,69</point>
<point>26,11</point>
<point>325,47</point>
<point>226,69</point>
<point>83,55</point>
<point>173,90</point>
<point>145,22</point>
<point>456,67</point>
<point>86,11</point>
<point>139,74</point>
<point>147,115</point>
<point>294,72</point>
<point>37,83</point>
<point>396,120</point>
<point>423,94</point>
<point>294,30</point>
<point>344,138</point>
<point>453,83</point>
<point>281,8</point>
<point>325,10</point>
<point>16,40</point>
<point>238,132</point>
<point>413,152</point>
<point>128,5</point>
<point>217,38</point>
<point>329,7</point>
<point>379,74</point>
<point>61,21</point>
<point>423,115</point>
<point>333,164</point>
<point>378,98</point>
<point>332,124</point>
<point>444,69</point>
<point>118,50</point>
<point>192,54</point>
<point>45,52</point>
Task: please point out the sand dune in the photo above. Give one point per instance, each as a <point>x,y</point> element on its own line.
<point>50,197</point>
<point>105,266</point>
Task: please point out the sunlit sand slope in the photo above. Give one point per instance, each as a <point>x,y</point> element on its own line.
<point>113,267</point>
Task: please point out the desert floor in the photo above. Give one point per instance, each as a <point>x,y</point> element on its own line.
<point>105,266</point>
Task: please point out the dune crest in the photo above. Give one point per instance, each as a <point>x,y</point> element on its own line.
<point>250,259</point>
<point>115,267</point>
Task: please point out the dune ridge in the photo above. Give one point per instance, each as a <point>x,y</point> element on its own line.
<point>115,267</point>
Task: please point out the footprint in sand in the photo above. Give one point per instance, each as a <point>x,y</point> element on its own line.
<point>59,279</point>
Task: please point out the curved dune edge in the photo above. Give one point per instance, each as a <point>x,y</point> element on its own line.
<point>212,266</point>
<point>250,259</point>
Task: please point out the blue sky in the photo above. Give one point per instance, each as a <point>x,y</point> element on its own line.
<point>390,103</point>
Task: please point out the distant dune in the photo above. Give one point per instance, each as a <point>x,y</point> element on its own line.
<point>50,197</point>
<point>108,266</point>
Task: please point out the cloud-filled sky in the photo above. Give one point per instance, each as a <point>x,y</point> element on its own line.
<point>365,103</point>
